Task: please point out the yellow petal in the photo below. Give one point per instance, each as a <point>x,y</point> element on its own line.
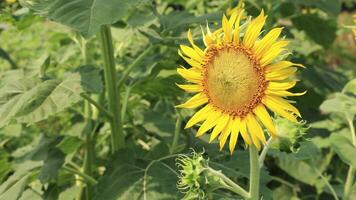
<point>266,42</point>
<point>195,101</point>
<point>190,52</point>
<point>191,88</point>
<point>255,129</point>
<point>199,116</point>
<point>235,129</point>
<point>233,18</point>
<point>273,52</point>
<point>237,29</point>
<point>190,61</point>
<point>253,30</point>
<point>281,74</point>
<point>281,65</point>
<point>227,30</point>
<point>277,109</point>
<point>284,93</point>
<point>191,41</point>
<point>265,118</point>
<point>256,142</point>
<point>281,85</point>
<point>282,103</point>
<point>220,125</point>
<point>225,134</point>
<point>244,133</point>
<point>209,123</point>
<point>190,75</point>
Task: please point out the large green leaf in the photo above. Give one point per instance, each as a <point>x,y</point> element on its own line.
<point>26,101</point>
<point>341,144</point>
<point>14,192</point>
<point>313,25</point>
<point>331,7</point>
<point>14,185</point>
<point>131,179</point>
<point>84,16</point>
<point>340,103</point>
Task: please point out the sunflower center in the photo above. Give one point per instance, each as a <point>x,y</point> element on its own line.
<point>233,80</point>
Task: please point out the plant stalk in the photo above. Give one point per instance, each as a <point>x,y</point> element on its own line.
<point>263,154</point>
<point>117,137</point>
<point>351,173</point>
<point>230,185</point>
<point>254,174</point>
<point>176,133</point>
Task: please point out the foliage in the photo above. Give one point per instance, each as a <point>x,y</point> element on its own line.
<point>55,127</point>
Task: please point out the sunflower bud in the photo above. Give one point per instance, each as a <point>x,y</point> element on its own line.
<point>289,134</point>
<point>195,181</point>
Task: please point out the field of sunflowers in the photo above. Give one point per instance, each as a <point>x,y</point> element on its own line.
<point>177,99</point>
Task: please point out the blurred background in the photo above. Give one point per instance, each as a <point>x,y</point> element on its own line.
<point>43,142</point>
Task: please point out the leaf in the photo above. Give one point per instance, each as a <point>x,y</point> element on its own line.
<point>91,78</point>
<point>15,191</point>
<point>341,144</point>
<point>332,7</point>
<point>127,178</point>
<point>23,170</point>
<point>84,16</point>
<point>340,103</point>
<point>313,25</point>
<point>350,87</point>
<point>51,166</point>
<point>69,144</point>
<point>27,101</point>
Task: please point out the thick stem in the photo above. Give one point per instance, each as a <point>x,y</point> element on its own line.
<point>351,173</point>
<point>176,133</point>
<point>117,137</point>
<point>229,184</point>
<point>254,174</point>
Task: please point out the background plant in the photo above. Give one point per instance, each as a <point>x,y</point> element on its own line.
<point>55,136</point>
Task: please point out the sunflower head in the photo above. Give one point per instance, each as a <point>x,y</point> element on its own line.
<point>236,77</point>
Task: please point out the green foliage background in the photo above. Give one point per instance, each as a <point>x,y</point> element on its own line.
<point>44,74</point>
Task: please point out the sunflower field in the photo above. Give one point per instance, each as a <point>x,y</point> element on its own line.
<point>177,99</point>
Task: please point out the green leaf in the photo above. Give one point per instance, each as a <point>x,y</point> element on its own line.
<point>313,25</point>
<point>332,7</point>
<point>69,144</point>
<point>342,145</point>
<point>51,166</point>
<point>15,191</point>
<point>84,16</point>
<point>340,103</point>
<point>350,87</point>
<point>131,179</point>
<point>26,101</point>
<point>13,184</point>
<point>91,78</point>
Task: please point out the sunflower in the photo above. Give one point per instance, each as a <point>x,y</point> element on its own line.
<point>236,78</point>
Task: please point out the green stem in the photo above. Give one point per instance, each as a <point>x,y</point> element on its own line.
<point>86,177</point>
<point>117,137</point>
<point>176,133</point>
<point>229,184</point>
<point>254,174</point>
<point>97,105</point>
<point>263,154</point>
<point>124,102</point>
<point>333,192</point>
<point>134,64</point>
<point>351,173</point>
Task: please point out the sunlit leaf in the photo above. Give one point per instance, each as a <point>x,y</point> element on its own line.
<point>342,145</point>
<point>84,16</point>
